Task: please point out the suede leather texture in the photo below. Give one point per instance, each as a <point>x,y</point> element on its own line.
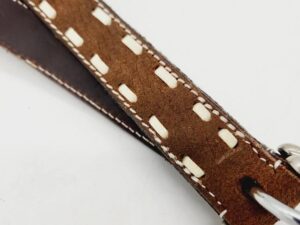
<point>22,33</point>
<point>188,135</point>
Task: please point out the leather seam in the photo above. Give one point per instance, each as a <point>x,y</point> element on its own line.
<point>165,149</point>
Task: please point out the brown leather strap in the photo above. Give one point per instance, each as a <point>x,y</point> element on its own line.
<point>205,144</point>
<point>49,56</point>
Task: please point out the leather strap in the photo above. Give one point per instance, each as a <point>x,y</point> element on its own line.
<point>202,141</point>
<point>49,56</point>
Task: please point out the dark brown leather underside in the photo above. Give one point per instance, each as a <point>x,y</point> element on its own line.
<point>188,135</point>
<point>23,34</point>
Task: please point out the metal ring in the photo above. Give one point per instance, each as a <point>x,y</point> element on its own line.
<point>291,154</point>
<point>278,209</point>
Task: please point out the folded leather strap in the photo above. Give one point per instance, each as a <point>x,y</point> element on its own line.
<point>25,35</point>
<point>204,144</point>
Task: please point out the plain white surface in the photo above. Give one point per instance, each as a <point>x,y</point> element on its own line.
<point>63,163</point>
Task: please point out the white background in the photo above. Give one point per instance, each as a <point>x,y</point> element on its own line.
<point>63,163</point>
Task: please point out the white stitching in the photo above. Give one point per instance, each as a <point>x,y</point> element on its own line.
<point>277,164</point>
<point>20,3</point>
<point>156,138</point>
<point>239,134</point>
<point>222,214</point>
<point>47,8</point>
<point>91,102</point>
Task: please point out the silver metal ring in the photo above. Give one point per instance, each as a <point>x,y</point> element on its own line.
<point>291,154</point>
<point>278,209</point>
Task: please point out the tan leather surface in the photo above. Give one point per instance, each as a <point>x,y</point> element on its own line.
<point>188,135</point>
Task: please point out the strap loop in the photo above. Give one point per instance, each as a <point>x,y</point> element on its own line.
<point>283,212</point>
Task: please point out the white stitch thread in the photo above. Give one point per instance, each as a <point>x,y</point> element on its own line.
<point>102,16</point>
<point>48,9</point>
<point>211,194</point>
<point>20,3</point>
<point>99,64</point>
<point>208,106</point>
<point>158,127</point>
<point>231,126</point>
<point>216,112</point>
<point>240,134</point>
<point>228,138</point>
<point>166,77</point>
<point>127,93</point>
<point>187,171</point>
<point>222,214</point>
<point>132,44</point>
<point>202,112</point>
<point>202,100</point>
<point>225,120</point>
<point>195,179</point>
<point>166,149</point>
<point>277,164</point>
<point>74,37</point>
<point>193,167</point>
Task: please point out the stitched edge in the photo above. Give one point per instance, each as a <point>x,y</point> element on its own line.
<point>20,3</point>
<point>191,89</point>
<point>84,97</point>
<point>165,149</point>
